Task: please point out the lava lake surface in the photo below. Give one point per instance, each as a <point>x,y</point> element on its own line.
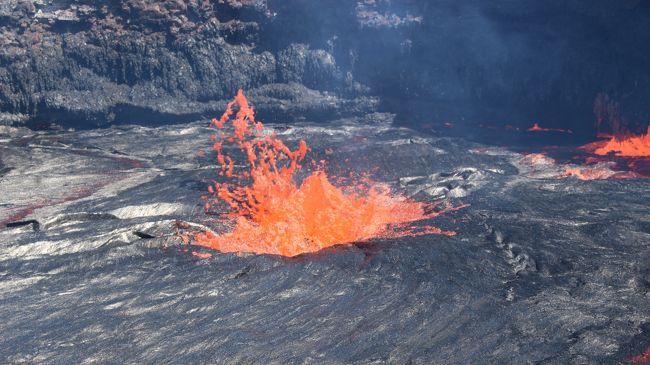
<point>542,269</point>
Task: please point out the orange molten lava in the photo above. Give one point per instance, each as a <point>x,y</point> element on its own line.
<point>624,146</point>
<point>275,215</point>
<point>537,128</point>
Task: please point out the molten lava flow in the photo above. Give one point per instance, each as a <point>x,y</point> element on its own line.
<point>623,146</point>
<point>537,128</point>
<point>273,214</point>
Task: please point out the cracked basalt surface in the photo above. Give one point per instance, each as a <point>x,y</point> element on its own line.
<point>543,269</point>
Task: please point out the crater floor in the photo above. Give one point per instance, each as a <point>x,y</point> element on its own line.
<point>544,268</point>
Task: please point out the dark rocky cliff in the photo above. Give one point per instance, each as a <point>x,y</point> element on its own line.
<point>84,63</point>
<point>88,63</point>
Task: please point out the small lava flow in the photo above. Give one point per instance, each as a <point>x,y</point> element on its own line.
<point>273,214</point>
<point>536,128</point>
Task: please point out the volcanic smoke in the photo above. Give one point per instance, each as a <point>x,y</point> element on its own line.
<point>273,214</point>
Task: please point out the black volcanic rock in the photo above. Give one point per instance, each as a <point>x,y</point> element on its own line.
<point>85,64</point>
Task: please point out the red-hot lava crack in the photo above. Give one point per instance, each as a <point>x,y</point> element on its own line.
<point>642,359</point>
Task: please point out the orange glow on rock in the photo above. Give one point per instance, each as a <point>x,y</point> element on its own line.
<point>643,359</point>
<point>598,173</point>
<point>272,214</point>
<point>537,159</point>
<point>589,173</point>
<point>202,255</point>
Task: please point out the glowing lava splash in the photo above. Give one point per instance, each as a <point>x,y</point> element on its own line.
<point>273,214</point>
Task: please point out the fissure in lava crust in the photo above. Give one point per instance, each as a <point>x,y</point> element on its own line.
<point>271,213</point>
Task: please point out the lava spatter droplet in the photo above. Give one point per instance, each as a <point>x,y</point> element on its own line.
<point>274,214</point>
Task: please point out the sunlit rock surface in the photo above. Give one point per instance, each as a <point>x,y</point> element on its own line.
<point>544,268</point>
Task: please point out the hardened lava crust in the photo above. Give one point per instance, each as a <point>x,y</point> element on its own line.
<point>544,268</point>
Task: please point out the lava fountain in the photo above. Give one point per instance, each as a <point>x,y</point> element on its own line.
<point>621,142</point>
<point>621,154</point>
<point>274,214</point>
<point>628,145</point>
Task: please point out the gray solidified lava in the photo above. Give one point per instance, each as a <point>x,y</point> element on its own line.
<point>543,270</point>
